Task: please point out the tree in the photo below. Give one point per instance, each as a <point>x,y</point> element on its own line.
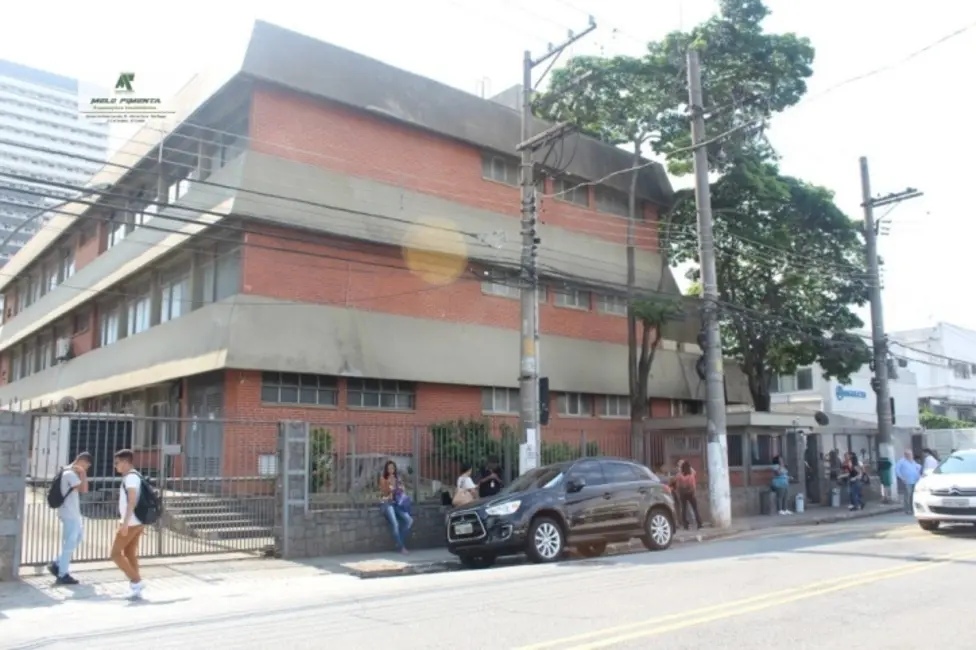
<point>790,267</point>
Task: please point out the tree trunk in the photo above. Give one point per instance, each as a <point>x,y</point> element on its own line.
<point>760,393</point>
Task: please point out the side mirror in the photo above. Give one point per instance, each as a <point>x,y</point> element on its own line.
<point>575,485</point>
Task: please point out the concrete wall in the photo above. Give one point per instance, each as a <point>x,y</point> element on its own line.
<point>14,435</point>
<point>301,532</point>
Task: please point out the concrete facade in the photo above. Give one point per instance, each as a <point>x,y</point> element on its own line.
<point>340,226</point>
<point>943,357</point>
<point>14,437</point>
<point>39,110</point>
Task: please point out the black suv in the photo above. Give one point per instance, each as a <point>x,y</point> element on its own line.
<point>585,504</point>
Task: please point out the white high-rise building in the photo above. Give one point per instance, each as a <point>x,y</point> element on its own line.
<point>38,112</point>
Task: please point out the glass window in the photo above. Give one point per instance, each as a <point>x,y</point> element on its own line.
<point>500,400</point>
<point>616,305</point>
<point>957,464</point>
<point>572,298</point>
<point>291,388</point>
<point>616,472</point>
<point>381,394</point>
<point>589,470</point>
<point>804,379</point>
<point>574,404</point>
<point>614,406</point>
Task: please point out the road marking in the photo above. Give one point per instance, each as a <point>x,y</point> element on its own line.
<point>690,618</point>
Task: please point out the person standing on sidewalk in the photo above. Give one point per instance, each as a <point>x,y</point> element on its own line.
<point>125,550</point>
<point>686,483</point>
<point>781,486</point>
<point>74,482</point>
<point>909,472</point>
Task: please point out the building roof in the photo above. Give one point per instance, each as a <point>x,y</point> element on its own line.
<point>303,64</point>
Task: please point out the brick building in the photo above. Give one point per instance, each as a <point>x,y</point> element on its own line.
<point>333,242</point>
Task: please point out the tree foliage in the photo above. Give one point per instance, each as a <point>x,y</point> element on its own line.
<point>748,75</point>
<point>930,420</point>
<point>790,267</point>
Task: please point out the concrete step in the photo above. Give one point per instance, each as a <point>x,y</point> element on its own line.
<point>238,532</point>
<point>205,518</point>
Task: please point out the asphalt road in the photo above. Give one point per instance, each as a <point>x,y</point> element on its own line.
<point>872,584</point>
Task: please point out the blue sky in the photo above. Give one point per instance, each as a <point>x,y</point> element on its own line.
<point>904,118</point>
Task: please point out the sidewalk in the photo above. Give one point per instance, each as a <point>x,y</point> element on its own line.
<point>102,581</point>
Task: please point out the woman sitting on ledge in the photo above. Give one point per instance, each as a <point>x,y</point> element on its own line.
<point>395,505</point>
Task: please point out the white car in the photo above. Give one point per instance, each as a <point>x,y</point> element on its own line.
<point>948,493</point>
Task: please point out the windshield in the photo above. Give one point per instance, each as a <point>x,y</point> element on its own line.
<point>542,477</point>
<point>957,464</point>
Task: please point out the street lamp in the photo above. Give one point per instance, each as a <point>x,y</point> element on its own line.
<point>34,217</point>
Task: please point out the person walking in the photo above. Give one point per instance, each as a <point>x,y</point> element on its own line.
<point>72,482</point>
<point>909,472</point>
<point>686,483</point>
<point>125,550</point>
<point>929,461</point>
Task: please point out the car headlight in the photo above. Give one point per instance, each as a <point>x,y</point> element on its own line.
<point>502,509</point>
<point>922,487</point>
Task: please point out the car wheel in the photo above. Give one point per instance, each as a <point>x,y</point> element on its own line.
<point>477,561</point>
<point>930,526</point>
<point>659,530</point>
<point>596,549</point>
<point>546,540</point>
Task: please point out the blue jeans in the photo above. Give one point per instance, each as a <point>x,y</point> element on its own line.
<point>71,534</point>
<point>907,497</point>
<point>855,488</point>
<point>400,523</point>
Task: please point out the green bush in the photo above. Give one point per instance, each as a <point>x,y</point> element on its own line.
<point>456,442</point>
<point>560,452</point>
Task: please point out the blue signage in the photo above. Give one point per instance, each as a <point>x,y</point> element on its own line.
<point>843,393</point>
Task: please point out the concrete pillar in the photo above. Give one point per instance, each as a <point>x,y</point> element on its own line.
<point>155,300</point>
<point>14,437</point>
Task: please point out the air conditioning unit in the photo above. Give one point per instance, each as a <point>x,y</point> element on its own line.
<point>62,350</point>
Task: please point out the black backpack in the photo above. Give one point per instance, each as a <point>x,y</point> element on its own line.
<point>55,499</point>
<point>149,508</point>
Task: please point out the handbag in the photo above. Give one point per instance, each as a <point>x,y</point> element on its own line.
<point>462,498</point>
<point>403,501</point>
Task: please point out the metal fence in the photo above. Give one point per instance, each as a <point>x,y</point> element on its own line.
<point>345,461</point>
<point>216,479</point>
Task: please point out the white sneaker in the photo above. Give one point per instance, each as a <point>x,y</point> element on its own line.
<point>782,512</point>
<point>788,512</point>
<point>135,590</point>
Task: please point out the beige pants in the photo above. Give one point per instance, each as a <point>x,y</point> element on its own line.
<point>125,552</point>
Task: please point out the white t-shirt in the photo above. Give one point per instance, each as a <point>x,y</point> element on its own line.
<point>929,463</point>
<point>71,507</point>
<point>465,483</point>
<point>130,481</point>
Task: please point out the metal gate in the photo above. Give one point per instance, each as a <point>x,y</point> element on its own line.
<point>216,479</point>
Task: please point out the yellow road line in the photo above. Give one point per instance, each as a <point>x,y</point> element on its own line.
<point>690,618</point>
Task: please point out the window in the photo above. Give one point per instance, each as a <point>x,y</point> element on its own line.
<point>50,279</point>
<point>572,298</point>
<point>612,305</point>
<point>500,400</point>
<point>174,297</point>
<point>571,191</point>
<point>178,190</point>
<point>497,168</point>
<point>36,289</point>
<point>228,271</point>
<point>16,365</point>
<point>381,394</point>
<point>67,267</point>
<point>961,370</point>
<point>109,327</point>
<point>765,448</point>
<point>79,322</point>
<point>46,352</point>
<point>290,388</point>
<point>616,472</point>
<point>590,471</point>
<point>138,315</point>
<point>116,233</point>
<point>497,289</point>
<point>964,463</point>
<point>576,404</point>
<point>614,406</point>
<point>804,379</point>
<point>614,202</point>
<point>735,456</point>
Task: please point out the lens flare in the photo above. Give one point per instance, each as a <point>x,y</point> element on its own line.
<point>434,250</point>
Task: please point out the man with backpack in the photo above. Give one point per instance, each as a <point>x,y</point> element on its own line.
<point>138,507</point>
<point>68,484</point>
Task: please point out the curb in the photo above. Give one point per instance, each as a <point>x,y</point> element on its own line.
<point>444,566</point>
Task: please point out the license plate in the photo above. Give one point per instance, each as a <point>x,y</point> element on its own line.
<point>956,503</point>
<point>463,529</point>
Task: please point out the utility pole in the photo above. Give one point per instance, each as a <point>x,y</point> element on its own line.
<point>719,490</point>
<point>879,342</point>
<point>528,346</point>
